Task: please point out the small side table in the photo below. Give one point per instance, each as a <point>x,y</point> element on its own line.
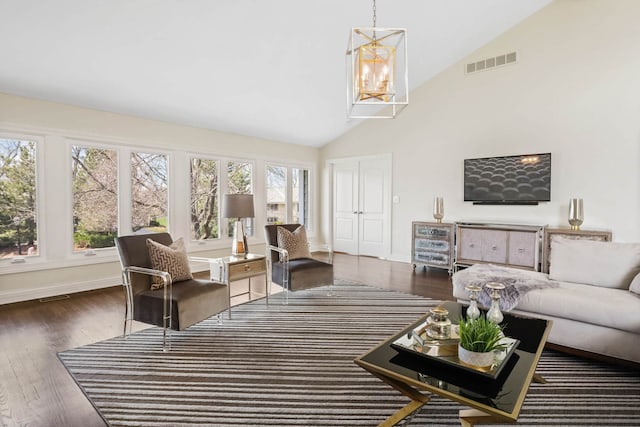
<point>229,269</point>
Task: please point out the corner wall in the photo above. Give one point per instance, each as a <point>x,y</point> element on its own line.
<point>574,92</point>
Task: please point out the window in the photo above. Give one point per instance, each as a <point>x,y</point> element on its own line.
<point>149,192</point>
<point>300,196</point>
<point>239,181</point>
<point>287,195</point>
<point>95,197</point>
<point>207,186</point>
<point>18,210</point>
<point>205,200</point>
<point>276,195</point>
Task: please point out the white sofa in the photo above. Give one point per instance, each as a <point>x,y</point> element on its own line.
<point>592,294</point>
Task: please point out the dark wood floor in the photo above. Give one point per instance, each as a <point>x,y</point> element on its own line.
<point>36,390</point>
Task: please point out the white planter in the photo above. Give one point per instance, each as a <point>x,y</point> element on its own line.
<point>475,359</point>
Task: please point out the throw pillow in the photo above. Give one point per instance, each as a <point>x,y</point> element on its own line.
<point>606,264</point>
<point>172,259</point>
<point>635,285</point>
<point>294,242</point>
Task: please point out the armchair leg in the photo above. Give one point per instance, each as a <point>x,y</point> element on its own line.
<point>166,339</point>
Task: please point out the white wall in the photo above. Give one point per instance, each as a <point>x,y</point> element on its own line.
<point>575,92</point>
<point>56,125</point>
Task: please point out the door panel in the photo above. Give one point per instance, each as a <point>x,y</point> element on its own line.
<point>374,175</point>
<point>345,210</point>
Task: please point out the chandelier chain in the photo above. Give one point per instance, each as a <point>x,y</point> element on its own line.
<point>374,13</point>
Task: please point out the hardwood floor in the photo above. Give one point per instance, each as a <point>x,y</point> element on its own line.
<point>36,390</point>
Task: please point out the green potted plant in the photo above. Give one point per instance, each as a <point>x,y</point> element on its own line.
<point>479,339</point>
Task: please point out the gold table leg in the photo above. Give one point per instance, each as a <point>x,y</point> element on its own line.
<point>471,417</point>
<point>537,378</point>
<point>403,413</point>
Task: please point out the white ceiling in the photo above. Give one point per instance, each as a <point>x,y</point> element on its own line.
<point>273,69</point>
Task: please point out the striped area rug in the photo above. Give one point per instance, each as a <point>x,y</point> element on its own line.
<point>292,365</point>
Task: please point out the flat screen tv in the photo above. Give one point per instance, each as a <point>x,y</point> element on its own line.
<point>508,180</point>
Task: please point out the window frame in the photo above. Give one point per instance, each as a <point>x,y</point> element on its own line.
<point>223,240</point>
<point>17,263</point>
<point>109,251</point>
<point>289,192</point>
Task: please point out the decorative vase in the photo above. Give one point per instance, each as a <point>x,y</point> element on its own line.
<point>475,359</point>
<point>438,209</point>
<point>438,324</point>
<point>576,213</point>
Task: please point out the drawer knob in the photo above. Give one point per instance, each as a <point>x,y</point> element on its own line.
<point>494,248</point>
<point>521,250</point>
<point>247,267</point>
<point>472,245</point>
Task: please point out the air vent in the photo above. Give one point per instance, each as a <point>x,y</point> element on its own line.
<point>489,63</point>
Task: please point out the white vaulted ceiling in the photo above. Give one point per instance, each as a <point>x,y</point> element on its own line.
<point>273,69</point>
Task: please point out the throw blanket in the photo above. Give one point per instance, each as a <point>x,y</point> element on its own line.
<point>517,283</point>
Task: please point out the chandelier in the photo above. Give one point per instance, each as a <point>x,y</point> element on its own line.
<point>377,78</point>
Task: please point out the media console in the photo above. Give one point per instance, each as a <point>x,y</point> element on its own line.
<point>503,244</point>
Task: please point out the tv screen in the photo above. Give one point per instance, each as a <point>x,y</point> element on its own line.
<point>508,180</point>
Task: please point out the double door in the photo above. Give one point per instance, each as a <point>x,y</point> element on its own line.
<point>361,206</point>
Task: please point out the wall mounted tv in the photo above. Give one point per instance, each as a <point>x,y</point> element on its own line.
<point>508,180</point>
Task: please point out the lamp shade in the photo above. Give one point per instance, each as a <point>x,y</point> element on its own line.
<point>237,206</point>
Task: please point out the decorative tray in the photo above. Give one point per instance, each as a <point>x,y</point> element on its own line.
<point>418,343</point>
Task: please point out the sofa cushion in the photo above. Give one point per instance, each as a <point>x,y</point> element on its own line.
<point>294,242</point>
<point>606,264</point>
<point>173,259</point>
<point>635,284</point>
<point>612,308</point>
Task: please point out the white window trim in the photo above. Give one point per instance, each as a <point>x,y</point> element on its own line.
<point>19,263</point>
<point>310,227</point>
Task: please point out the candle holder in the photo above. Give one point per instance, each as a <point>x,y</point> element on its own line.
<point>494,314</point>
<point>473,312</point>
<point>438,324</point>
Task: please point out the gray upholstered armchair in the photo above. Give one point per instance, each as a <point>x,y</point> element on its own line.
<point>175,304</point>
<point>295,273</point>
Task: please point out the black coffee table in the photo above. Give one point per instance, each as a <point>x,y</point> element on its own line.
<point>493,400</point>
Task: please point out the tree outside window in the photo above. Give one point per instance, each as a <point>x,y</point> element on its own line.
<point>18,210</point>
<point>205,200</point>
<point>95,197</point>
<point>239,181</point>
<point>149,192</point>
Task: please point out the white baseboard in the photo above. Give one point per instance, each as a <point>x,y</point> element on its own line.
<point>12,296</point>
<point>400,258</point>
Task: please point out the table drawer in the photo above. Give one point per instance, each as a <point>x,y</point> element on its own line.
<point>247,269</point>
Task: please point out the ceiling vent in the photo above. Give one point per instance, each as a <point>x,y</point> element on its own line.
<point>489,63</point>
